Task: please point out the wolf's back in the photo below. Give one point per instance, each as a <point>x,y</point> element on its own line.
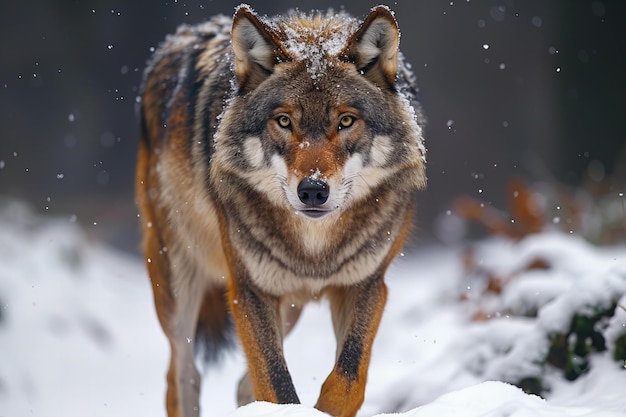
<point>190,69</point>
<point>185,85</point>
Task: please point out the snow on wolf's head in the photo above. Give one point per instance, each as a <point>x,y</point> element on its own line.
<point>319,118</point>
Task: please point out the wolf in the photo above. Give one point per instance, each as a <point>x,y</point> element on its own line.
<point>277,164</point>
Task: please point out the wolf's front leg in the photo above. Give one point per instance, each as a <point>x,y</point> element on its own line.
<point>356,315</point>
<point>257,319</point>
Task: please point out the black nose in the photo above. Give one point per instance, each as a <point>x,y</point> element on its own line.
<point>313,192</point>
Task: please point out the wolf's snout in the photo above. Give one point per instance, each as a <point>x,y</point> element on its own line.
<point>313,192</point>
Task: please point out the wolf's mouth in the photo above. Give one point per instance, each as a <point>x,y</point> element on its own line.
<point>314,213</point>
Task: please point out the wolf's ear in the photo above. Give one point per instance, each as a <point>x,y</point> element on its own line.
<point>374,47</point>
<point>256,47</point>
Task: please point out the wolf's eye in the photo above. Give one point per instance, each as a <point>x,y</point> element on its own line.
<point>345,121</point>
<point>284,121</point>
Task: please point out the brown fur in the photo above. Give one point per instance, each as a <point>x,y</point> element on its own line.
<point>270,173</point>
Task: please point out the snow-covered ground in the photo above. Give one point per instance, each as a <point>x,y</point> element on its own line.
<point>79,335</point>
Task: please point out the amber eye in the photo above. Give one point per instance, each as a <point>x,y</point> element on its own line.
<point>284,121</point>
<point>345,121</point>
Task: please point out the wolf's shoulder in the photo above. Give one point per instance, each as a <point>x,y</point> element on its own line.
<point>190,48</point>
<point>189,38</point>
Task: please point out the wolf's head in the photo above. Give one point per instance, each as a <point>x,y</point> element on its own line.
<point>318,120</point>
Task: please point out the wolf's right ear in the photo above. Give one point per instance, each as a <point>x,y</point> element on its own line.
<point>256,48</point>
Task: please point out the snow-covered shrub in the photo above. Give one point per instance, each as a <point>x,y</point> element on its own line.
<point>552,300</point>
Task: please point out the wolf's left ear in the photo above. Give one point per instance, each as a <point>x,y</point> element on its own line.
<point>256,48</point>
<point>374,47</point>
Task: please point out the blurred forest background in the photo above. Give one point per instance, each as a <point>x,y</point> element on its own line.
<point>528,89</point>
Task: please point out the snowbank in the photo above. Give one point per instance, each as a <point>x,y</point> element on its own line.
<point>493,399</point>
<point>79,335</point>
